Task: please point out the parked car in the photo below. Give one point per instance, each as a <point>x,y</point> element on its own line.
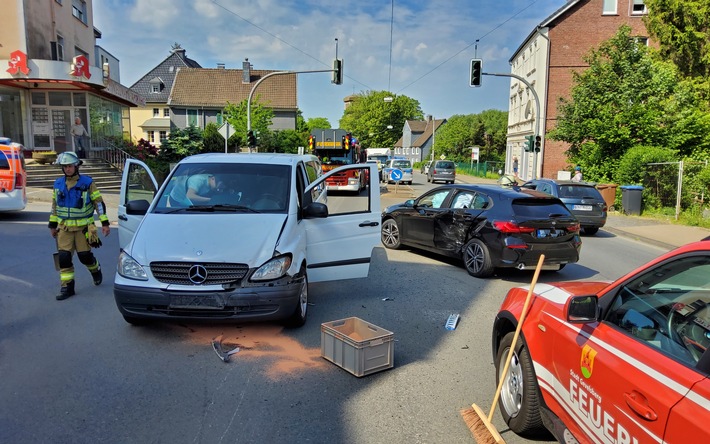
<point>249,248</point>
<point>626,361</point>
<point>13,176</point>
<point>403,165</point>
<point>486,226</point>
<point>425,167</point>
<point>582,199</point>
<point>442,171</point>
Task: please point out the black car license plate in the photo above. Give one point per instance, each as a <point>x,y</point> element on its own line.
<point>203,301</point>
<point>541,234</point>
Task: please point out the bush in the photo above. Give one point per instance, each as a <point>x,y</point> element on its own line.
<point>44,157</point>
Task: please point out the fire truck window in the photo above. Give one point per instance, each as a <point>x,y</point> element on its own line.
<point>352,194</point>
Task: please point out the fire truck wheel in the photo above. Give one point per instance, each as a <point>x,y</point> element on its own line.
<point>520,397</point>
<point>390,234</point>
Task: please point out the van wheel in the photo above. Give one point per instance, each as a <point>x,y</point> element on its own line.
<point>477,259</point>
<point>135,321</point>
<point>390,234</point>
<point>298,318</point>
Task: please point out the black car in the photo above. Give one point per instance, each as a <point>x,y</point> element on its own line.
<point>487,226</point>
<point>582,199</point>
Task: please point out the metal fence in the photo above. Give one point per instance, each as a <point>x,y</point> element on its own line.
<point>674,184</point>
<point>481,169</point>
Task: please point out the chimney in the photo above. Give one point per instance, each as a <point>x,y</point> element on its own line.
<point>246,71</point>
<point>220,65</point>
<point>428,117</point>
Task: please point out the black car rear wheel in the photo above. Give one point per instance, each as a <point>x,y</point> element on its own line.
<point>591,231</point>
<point>390,234</point>
<point>477,259</point>
<point>519,398</point>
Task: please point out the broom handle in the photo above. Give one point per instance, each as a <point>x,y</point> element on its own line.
<point>515,336</point>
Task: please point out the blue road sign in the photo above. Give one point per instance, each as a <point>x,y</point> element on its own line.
<point>396,175</point>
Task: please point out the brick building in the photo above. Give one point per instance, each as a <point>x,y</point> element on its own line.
<point>546,60</point>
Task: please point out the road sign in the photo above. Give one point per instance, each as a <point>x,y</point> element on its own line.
<point>396,175</point>
<point>226,130</point>
<point>474,153</point>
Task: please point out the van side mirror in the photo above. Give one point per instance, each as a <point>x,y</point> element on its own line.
<point>137,207</point>
<point>582,309</point>
<point>315,210</point>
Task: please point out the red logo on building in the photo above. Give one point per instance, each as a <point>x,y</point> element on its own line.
<point>18,63</point>
<point>80,67</point>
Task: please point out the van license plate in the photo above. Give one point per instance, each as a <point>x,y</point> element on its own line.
<point>582,207</point>
<point>204,301</point>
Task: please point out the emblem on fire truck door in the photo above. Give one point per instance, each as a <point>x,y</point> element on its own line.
<point>587,361</point>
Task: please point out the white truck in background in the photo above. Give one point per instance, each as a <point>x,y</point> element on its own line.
<point>381,155</point>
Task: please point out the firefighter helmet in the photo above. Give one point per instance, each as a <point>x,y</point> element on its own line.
<point>68,158</point>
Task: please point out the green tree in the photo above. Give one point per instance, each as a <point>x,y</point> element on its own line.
<point>317,122</point>
<point>180,144</point>
<point>682,30</point>
<point>283,141</point>
<point>370,114</point>
<point>627,98</point>
<point>487,130</point>
<point>261,118</point>
<point>213,141</point>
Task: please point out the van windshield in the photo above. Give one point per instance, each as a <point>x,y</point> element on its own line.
<point>247,187</point>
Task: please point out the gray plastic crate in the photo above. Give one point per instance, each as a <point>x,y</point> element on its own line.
<point>357,346</point>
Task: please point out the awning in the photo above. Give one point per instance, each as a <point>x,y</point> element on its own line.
<point>156,122</point>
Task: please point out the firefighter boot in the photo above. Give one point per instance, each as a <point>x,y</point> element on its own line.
<point>96,274</point>
<point>66,291</point>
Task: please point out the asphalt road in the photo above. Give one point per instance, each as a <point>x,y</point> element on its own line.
<point>74,371</point>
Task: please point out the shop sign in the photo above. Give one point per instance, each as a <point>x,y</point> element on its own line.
<point>18,63</point>
<point>80,67</point>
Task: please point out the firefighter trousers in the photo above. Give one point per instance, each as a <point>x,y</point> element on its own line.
<point>69,241</point>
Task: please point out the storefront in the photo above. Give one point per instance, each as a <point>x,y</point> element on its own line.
<point>40,100</point>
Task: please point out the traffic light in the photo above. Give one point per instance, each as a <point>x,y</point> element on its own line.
<point>337,72</point>
<point>348,141</point>
<point>529,144</point>
<point>538,143</point>
<point>251,139</point>
<point>476,72</point>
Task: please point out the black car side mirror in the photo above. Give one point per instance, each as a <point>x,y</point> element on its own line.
<point>137,207</point>
<point>582,309</point>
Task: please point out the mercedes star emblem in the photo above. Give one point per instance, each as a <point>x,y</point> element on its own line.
<point>197,274</point>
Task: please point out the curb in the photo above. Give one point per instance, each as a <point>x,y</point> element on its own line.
<point>636,237</point>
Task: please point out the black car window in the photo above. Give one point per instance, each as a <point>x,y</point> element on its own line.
<point>579,192</point>
<point>668,308</point>
<point>433,200</point>
<point>463,199</point>
<point>539,207</point>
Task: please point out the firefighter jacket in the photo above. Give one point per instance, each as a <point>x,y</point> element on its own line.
<point>74,201</point>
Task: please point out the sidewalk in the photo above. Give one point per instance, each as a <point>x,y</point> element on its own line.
<point>651,231</point>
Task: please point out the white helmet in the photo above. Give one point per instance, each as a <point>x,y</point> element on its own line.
<point>68,158</point>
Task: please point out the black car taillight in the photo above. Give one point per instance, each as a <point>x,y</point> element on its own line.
<point>507,226</point>
<point>574,228</point>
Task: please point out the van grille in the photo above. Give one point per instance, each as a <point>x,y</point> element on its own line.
<point>179,272</point>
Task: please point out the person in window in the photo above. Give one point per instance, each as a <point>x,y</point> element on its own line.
<point>577,174</point>
<point>193,190</point>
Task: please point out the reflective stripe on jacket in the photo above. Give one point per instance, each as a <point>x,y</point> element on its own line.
<point>74,206</point>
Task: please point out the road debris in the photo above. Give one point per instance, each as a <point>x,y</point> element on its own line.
<point>452,321</point>
<point>217,346</point>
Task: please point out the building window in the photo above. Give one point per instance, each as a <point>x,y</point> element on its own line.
<point>78,9</point>
<point>151,136</point>
<point>166,112</point>
<point>609,7</point>
<point>156,112</point>
<point>191,117</point>
<point>78,52</point>
<point>163,136</point>
<point>638,7</point>
<point>155,88</point>
<point>58,48</point>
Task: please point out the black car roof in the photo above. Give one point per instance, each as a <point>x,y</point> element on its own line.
<point>563,182</point>
<point>508,192</point>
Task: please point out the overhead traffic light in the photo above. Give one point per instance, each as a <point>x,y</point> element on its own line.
<point>529,144</point>
<point>251,139</point>
<point>337,72</point>
<point>538,143</point>
<point>476,72</point>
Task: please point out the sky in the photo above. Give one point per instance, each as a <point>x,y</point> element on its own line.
<point>420,49</point>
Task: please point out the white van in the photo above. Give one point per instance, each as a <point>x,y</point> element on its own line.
<point>247,250</point>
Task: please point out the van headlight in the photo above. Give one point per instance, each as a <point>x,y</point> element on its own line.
<point>273,269</point>
<point>129,268</point>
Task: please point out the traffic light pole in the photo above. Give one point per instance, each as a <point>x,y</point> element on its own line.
<point>537,111</point>
<point>271,74</point>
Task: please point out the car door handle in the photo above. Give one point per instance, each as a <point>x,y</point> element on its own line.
<point>122,217</point>
<point>367,223</point>
<point>639,404</point>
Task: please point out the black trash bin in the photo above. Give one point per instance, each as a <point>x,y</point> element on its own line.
<point>631,197</point>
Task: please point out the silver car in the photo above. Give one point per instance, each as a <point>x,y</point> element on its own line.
<point>443,171</point>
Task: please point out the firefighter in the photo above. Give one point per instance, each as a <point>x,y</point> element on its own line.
<point>71,223</point>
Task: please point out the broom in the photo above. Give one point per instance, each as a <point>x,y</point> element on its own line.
<point>483,430</point>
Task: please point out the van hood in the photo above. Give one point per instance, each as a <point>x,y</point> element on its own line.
<point>207,237</point>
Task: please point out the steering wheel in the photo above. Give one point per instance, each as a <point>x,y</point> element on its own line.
<point>268,201</point>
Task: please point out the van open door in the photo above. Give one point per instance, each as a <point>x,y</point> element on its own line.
<point>137,184</point>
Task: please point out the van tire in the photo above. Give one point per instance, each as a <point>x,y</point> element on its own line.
<point>300,313</point>
<point>135,321</point>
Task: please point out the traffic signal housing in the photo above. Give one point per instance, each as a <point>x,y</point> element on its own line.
<point>476,72</point>
<point>538,143</point>
<point>251,139</point>
<point>337,72</point>
<point>529,144</point>
<point>342,142</point>
<point>348,141</point>
<point>311,142</point>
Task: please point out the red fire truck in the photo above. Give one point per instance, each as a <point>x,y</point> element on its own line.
<point>346,153</point>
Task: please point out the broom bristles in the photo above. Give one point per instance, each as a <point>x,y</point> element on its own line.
<point>482,430</point>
